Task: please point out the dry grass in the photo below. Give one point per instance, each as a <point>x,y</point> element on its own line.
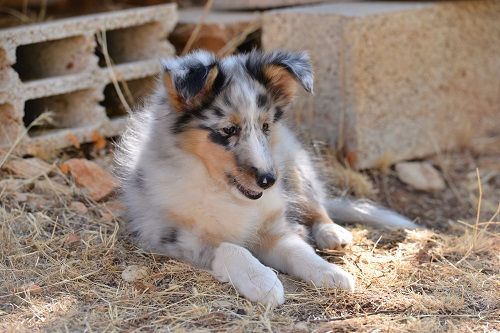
<point>61,271</point>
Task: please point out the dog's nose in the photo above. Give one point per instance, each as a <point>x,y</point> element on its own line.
<point>266,180</point>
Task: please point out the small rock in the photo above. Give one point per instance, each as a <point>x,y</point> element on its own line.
<point>72,240</point>
<point>20,197</point>
<point>28,167</point>
<point>78,207</point>
<point>32,288</point>
<point>420,175</point>
<point>48,186</point>
<point>134,272</point>
<point>39,202</point>
<point>94,179</point>
<point>222,304</point>
<point>300,327</point>
<point>11,185</point>
<point>112,209</point>
<point>144,286</point>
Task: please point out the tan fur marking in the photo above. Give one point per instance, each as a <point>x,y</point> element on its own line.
<point>268,238</point>
<point>235,118</point>
<point>282,83</point>
<point>176,100</point>
<point>181,221</point>
<point>315,215</point>
<point>216,159</point>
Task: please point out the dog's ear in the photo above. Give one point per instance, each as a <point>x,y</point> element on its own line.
<point>280,71</point>
<point>189,80</point>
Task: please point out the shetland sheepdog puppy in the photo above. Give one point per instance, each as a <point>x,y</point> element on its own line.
<point>212,175</point>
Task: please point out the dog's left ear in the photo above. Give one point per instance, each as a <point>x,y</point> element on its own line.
<point>280,71</point>
<point>189,80</point>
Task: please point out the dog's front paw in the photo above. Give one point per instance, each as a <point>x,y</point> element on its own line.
<point>330,235</point>
<point>256,282</point>
<point>332,276</point>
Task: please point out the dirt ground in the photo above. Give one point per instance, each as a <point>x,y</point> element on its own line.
<point>62,256</point>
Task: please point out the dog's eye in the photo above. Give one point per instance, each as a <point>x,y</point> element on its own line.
<point>231,130</point>
<point>265,127</point>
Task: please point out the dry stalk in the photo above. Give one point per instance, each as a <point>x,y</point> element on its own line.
<point>101,39</point>
<point>196,30</point>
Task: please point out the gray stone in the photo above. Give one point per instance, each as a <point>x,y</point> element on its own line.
<point>420,175</point>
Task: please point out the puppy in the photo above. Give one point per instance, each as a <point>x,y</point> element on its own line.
<point>211,175</point>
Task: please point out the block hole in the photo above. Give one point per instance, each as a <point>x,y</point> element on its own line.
<point>131,44</point>
<point>76,109</point>
<point>53,58</point>
<point>11,125</point>
<point>134,92</point>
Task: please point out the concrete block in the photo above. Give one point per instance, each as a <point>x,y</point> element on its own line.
<point>259,4</point>
<point>395,81</point>
<point>218,29</point>
<point>58,68</point>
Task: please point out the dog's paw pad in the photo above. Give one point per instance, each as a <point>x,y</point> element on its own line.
<point>331,236</point>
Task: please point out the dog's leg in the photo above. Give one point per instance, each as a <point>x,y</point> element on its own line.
<point>227,262</point>
<point>326,233</point>
<point>290,254</point>
<point>305,207</point>
<point>258,283</point>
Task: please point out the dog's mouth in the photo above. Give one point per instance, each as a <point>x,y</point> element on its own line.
<point>250,194</point>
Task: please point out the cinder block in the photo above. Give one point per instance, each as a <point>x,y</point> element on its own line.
<point>59,68</point>
<point>395,81</point>
<point>218,29</point>
<point>259,4</point>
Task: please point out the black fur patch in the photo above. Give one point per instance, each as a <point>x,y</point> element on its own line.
<point>135,234</point>
<point>278,114</point>
<point>261,100</point>
<point>217,111</point>
<point>216,137</point>
<point>227,100</point>
<point>191,83</point>
<point>170,236</point>
<point>188,115</point>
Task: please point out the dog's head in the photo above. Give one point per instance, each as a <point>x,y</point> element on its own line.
<point>226,109</point>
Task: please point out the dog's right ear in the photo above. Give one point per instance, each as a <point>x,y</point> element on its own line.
<point>189,80</point>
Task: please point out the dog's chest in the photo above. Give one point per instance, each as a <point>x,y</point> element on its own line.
<point>215,215</point>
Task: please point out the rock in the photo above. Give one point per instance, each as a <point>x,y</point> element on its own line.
<point>27,167</point>
<point>135,272</point>
<point>78,207</point>
<point>11,185</point>
<point>52,187</point>
<point>72,240</point>
<point>420,175</point>
<point>222,304</point>
<point>20,197</point>
<point>394,80</point>
<point>97,182</point>
<point>112,209</point>
<point>217,30</point>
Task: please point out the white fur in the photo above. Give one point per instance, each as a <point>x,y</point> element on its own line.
<point>330,235</point>
<point>258,283</point>
<point>294,256</point>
